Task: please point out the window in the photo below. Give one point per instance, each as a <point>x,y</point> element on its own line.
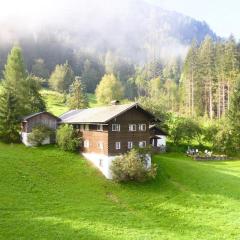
<point>100,145</point>
<point>130,145</point>
<point>81,127</point>
<point>142,127</point>
<point>77,126</point>
<point>86,127</point>
<point>117,145</point>
<point>132,127</point>
<point>99,127</point>
<point>116,127</point>
<point>86,143</point>
<point>142,144</point>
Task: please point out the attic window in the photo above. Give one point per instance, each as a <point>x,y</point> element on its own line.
<point>86,127</point>
<point>116,127</point>
<point>99,127</point>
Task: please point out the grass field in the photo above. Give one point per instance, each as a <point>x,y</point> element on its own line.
<point>49,194</point>
<point>56,104</point>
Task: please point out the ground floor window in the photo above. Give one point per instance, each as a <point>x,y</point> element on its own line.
<point>130,145</point>
<point>86,143</point>
<point>100,145</point>
<point>117,145</point>
<point>142,144</point>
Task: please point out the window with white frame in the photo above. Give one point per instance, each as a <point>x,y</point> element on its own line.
<point>86,143</point>
<point>86,127</point>
<point>116,127</point>
<point>99,127</point>
<point>132,127</point>
<point>142,144</point>
<point>100,145</point>
<point>142,127</point>
<point>117,145</point>
<point>130,145</point>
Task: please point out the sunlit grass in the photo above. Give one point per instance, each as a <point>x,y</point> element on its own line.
<point>56,102</point>
<point>49,194</point>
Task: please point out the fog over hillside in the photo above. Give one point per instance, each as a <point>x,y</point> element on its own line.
<point>134,29</point>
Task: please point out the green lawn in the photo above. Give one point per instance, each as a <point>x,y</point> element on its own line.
<point>49,194</point>
<point>55,101</point>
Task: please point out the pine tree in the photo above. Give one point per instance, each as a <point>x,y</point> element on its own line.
<point>110,88</point>
<point>9,116</point>
<point>207,76</point>
<point>15,73</point>
<point>78,97</point>
<point>234,113</point>
<point>188,81</point>
<point>34,100</point>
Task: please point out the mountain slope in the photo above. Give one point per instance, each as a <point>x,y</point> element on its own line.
<point>134,29</point>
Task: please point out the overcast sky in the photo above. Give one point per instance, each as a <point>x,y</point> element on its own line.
<point>223,16</point>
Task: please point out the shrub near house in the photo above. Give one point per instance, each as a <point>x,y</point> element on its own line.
<point>39,134</point>
<point>133,166</point>
<point>67,138</point>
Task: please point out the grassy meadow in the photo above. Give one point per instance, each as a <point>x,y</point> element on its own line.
<point>50,194</point>
<point>55,101</point>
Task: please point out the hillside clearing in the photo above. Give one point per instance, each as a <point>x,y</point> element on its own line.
<point>55,101</point>
<point>50,194</point>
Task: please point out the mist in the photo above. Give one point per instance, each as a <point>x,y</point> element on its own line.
<point>134,29</point>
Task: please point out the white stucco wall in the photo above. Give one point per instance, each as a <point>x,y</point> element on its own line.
<point>103,162</point>
<point>25,140</point>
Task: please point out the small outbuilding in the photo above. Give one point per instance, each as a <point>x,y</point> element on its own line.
<point>41,118</point>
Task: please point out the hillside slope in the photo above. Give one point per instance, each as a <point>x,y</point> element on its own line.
<point>131,28</point>
<point>49,194</point>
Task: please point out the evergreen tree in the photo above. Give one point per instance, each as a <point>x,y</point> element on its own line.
<point>207,78</point>
<point>9,116</point>
<point>189,78</point>
<point>34,100</point>
<point>234,112</point>
<point>15,73</point>
<point>78,97</point>
<point>20,96</point>
<point>90,75</point>
<point>61,78</point>
<point>110,88</point>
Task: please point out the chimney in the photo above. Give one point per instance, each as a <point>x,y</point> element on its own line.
<point>115,102</point>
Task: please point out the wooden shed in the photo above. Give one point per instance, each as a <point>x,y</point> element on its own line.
<point>41,118</point>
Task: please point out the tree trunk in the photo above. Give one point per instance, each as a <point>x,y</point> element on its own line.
<point>210,101</point>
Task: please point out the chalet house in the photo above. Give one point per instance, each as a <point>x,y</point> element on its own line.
<point>110,131</point>
<point>42,118</point>
<point>106,132</point>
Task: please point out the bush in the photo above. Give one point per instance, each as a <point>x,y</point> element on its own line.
<point>67,138</point>
<point>39,134</point>
<point>185,130</point>
<point>225,141</point>
<point>132,166</point>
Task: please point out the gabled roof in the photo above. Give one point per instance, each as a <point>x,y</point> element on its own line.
<point>26,118</point>
<point>99,114</point>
